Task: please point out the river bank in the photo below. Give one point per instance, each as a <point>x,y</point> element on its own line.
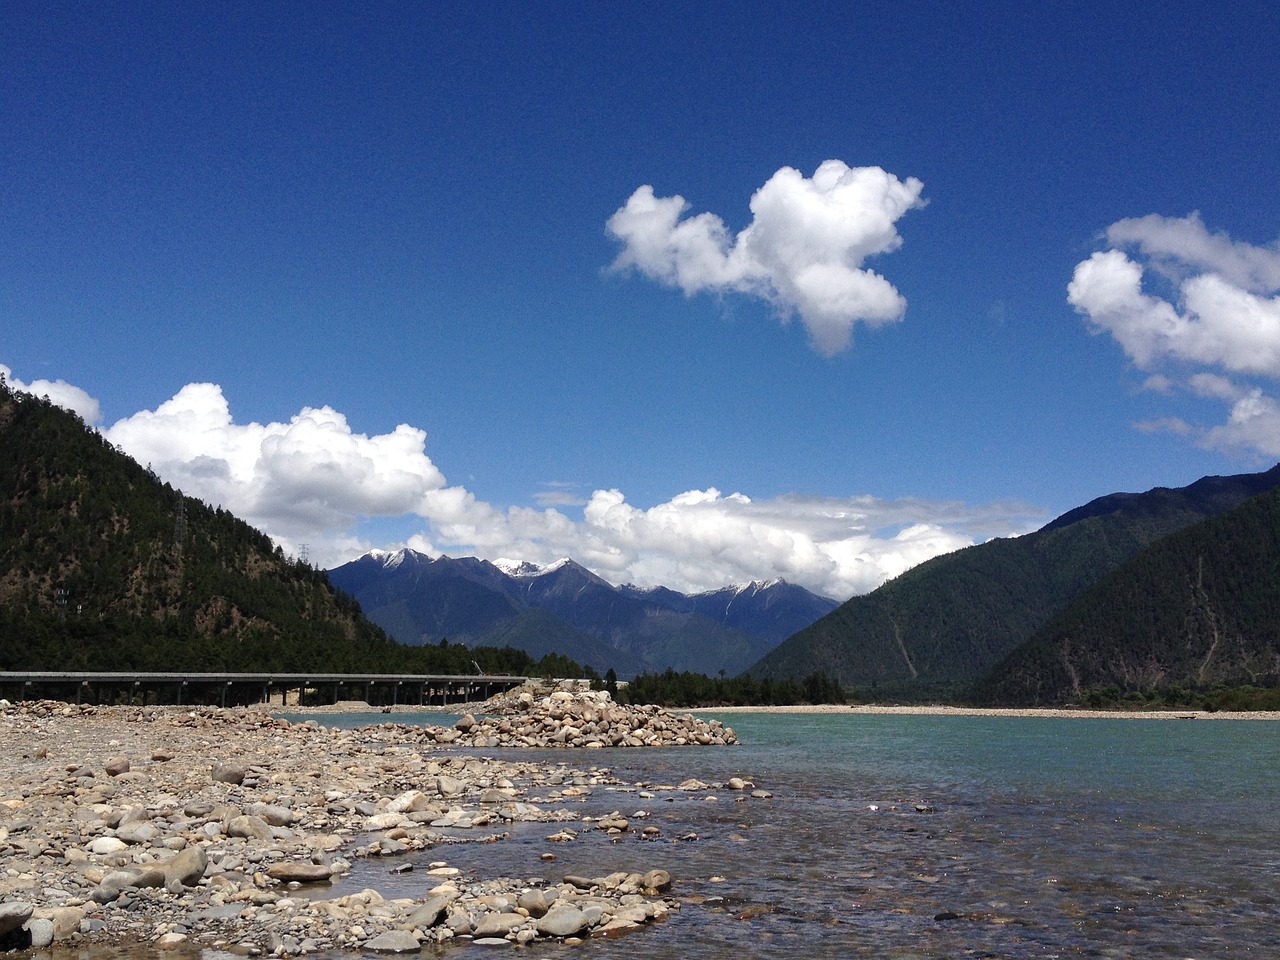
<point>359,706</point>
<point>948,711</point>
<point>224,828</point>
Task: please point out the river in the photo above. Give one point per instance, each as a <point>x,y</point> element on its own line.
<point>906,836</point>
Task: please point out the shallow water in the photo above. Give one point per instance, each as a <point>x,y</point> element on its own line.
<point>1038,838</point>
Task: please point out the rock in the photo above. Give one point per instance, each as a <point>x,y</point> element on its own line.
<point>116,766</point>
<point>498,924</point>
<point>229,773</point>
<point>66,920</point>
<point>137,833</point>
<point>394,941</point>
<point>537,902</point>
<point>104,846</point>
<point>656,880</point>
<point>251,828</point>
<point>170,940</point>
<point>432,909</point>
<point>273,814</point>
<point>448,786</point>
<point>41,933</point>
<point>409,802</point>
<point>13,915</point>
<point>187,866</point>
<point>562,920</point>
<point>295,871</point>
<point>466,724</point>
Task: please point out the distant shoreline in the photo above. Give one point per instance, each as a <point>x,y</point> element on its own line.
<point>357,706</point>
<point>1053,712</point>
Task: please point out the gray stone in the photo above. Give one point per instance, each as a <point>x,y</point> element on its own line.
<point>562,920</point>
<point>432,909</point>
<point>41,933</point>
<point>394,941</point>
<point>537,902</point>
<point>116,766</point>
<point>13,915</point>
<point>273,814</point>
<point>448,786</point>
<point>187,866</point>
<point>252,828</point>
<point>498,924</point>
<point>658,880</point>
<point>137,833</point>
<point>295,871</point>
<point>229,773</point>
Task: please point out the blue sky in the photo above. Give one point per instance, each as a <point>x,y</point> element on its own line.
<point>368,249</point>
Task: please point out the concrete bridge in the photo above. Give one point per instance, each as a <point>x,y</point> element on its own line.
<point>243,689</point>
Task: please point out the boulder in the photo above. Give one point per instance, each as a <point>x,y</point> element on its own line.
<point>13,915</point>
<point>498,924</point>
<point>251,828</point>
<point>296,871</point>
<point>187,867</point>
<point>116,766</point>
<point>229,773</point>
<point>432,909</point>
<point>562,920</point>
<point>394,941</point>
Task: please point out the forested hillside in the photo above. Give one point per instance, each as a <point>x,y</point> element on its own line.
<point>103,566</point>
<point>1198,610</point>
<point>939,627</point>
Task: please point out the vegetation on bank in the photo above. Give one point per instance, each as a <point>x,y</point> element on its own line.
<point>1245,697</point>
<point>672,689</point>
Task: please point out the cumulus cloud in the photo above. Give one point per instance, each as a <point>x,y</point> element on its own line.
<point>803,251</point>
<point>308,479</point>
<point>1177,297</point>
<point>314,480</point>
<point>59,392</point>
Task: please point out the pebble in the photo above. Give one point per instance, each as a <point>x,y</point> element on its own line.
<point>183,848</point>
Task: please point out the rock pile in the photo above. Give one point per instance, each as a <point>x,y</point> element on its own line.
<point>173,824</point>
<point>584,718</point>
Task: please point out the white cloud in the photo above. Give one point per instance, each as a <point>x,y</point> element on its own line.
<point>803,251</point>
<point>1218,327</point>
<point>1254,425</point>
<point>59,392</point>
<point>313,480</point>
<point>307,480</point>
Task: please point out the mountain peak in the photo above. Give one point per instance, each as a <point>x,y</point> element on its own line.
<point>519,569</point>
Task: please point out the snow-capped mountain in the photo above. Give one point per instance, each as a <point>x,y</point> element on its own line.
<point>563,607</point>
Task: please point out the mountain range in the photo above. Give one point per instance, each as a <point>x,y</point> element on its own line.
<point>944,625</point>
<point>564,607</point>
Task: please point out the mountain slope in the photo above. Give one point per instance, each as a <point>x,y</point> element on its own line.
<point>945,623</point>
<point>1199,608</point>
<point>103,566</point>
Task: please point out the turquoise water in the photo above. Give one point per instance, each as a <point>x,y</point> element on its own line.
<point>1038,838</point>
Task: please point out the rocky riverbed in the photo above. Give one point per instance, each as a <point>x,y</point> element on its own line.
<point>183,826</point>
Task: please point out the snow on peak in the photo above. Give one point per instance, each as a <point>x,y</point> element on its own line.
<point>390,559</point>
<point>518,568</point>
